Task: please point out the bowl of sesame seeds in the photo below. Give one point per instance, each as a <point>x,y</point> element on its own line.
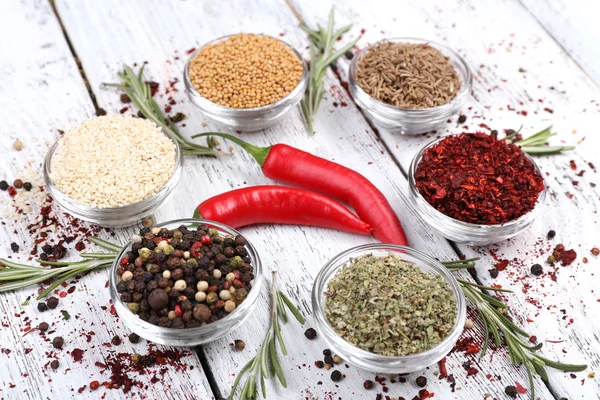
<point>113,170</point>
<point>408,85</point>
<point>246,81</point>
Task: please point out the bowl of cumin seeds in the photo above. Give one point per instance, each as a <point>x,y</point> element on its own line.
<point>408,85</point>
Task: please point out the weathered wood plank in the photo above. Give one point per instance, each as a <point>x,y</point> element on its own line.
<point>573,24</point>
<point>106,38</point>
<point>518,66</point>
<point>41,91</point>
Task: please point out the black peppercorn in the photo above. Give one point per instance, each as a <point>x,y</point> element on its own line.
<point>54,364</point>
<point>43,326</point>
<point>310,333</point>
<point>158,299</point>
<point>537,269</point>
<point>27,186</point>
<point>240,240</point>
<point>116,340</point>
<point>368,384</point>
<point>47,249</point>
<point>349,55</point>
<point>336,376</point>
<point>59,251</point>
<point>14,247</point>
<point>326,352</point>
<point>52,302</point>
<point>42,307</point>
<point>43,256</point>
<point>494,133</point>
<point>462,119</point>
<point>511,391</point>
<point>134,338</point>
<point>125,98</point>
<point>421,381</point>
<point>328,360</point>
<point>551,234</point>
<point>493,272</point>
<point>58,342</point>
<point>3,185</point>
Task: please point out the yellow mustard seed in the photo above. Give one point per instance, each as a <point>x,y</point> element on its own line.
<point>245,71</point>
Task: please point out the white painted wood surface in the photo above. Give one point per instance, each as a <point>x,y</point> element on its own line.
<point>516,64</point>
<point>573,24</point>
<point>41,91</point>
<point>107,34</point>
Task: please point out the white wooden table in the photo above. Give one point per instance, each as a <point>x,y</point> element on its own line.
<point>528,55</point>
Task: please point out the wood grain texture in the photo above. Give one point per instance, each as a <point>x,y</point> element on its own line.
<point>518,67</point>
<point>41,91</point>
<point>574,25</point>
<point>296,252</point>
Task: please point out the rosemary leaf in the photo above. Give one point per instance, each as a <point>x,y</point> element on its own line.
<point>321,56</point>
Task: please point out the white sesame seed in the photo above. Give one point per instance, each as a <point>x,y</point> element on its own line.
<point>96,161</point>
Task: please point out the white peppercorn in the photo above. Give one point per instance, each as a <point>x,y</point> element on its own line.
<point>180,285</point>
<point>202,286</point>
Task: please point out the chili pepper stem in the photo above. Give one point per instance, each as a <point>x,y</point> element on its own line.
<point>259,153</point>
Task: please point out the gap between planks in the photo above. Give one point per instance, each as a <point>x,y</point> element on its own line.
<point>558,43</point>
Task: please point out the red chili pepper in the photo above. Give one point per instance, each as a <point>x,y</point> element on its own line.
<point>194,250</point>
<point>280,205</point>
<point>287,164</point>
<point>178,310</point>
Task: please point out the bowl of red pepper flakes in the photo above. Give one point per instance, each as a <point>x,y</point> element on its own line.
<point>476,189</point>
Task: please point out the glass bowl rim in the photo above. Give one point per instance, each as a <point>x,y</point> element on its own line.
<point>245,307</point>
<point>218,108</point>
<point>465,87</point>
<point>166,189</point>
<point>318,304</point>
<point>468,225</point>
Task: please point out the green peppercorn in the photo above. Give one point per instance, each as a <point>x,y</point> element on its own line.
<point>134,307</point>
<point>144,252</point>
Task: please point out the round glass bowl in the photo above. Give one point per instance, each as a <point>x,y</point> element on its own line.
<point>246,119</point>
<point>372,361</point>
<point>408,120</point>
<point>190,336</point>
<point>464,232</point>
<point>116,216</point>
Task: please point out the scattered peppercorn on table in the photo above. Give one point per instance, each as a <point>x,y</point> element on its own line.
<point>74,344</point>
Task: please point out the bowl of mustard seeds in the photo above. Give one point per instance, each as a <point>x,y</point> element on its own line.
<point>245,81</point>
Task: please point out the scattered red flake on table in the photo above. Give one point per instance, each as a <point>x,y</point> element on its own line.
<point>190,51</point>
<point>501,265</point>
<point>566,257</point>
<point>573,165</point>
<point>77,355</point>
<point>520,389</point>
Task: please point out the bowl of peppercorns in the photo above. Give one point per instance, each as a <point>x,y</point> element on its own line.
<point>185,282</point>
<point>246,81</point>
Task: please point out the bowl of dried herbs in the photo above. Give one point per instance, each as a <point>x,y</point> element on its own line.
<point>388,308</point>
<point>409,85</point>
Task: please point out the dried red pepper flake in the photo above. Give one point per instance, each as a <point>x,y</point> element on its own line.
<point>520,388</point>
<point>501,265</point>
<point>566,257</point>
<point>12,192</point>
<point>476,178</point>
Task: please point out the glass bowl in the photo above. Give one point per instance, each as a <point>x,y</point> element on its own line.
<point>246,119</point>
<point>407,120</point>
<point>372,361</point>
<point>465,232</point>
<point>116,216</point>
<point>190,336</point>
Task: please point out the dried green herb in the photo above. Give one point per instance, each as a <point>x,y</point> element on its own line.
<point>388,306</point>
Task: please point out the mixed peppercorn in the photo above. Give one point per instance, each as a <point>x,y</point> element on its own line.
<point>184,278</point>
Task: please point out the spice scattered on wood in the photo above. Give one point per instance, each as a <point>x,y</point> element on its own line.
<point>566,257</point>
<point>310,333</point>
<point>113,148</point>
<point>407,75</point>
<point>52,302</point>
<point>551,234</point>
<point>54,364</point>
<point>336,376</point>
<point>58,342</point>
<point>43,326</point>
<point>476,178</point>
<point>421,381</point>
<point>3,185</point>
<point>245,71</point>
<point>372,295</point>
<point>537,269</point>
<point>239,345</point>
<point>18,145</point>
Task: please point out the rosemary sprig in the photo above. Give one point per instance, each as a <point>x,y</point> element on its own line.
<point>141,95</point>
<point>266,364</point>
<point>497,325</point>
<point>537,144</point>
<point>14,276</point>
<point>321,56</point>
